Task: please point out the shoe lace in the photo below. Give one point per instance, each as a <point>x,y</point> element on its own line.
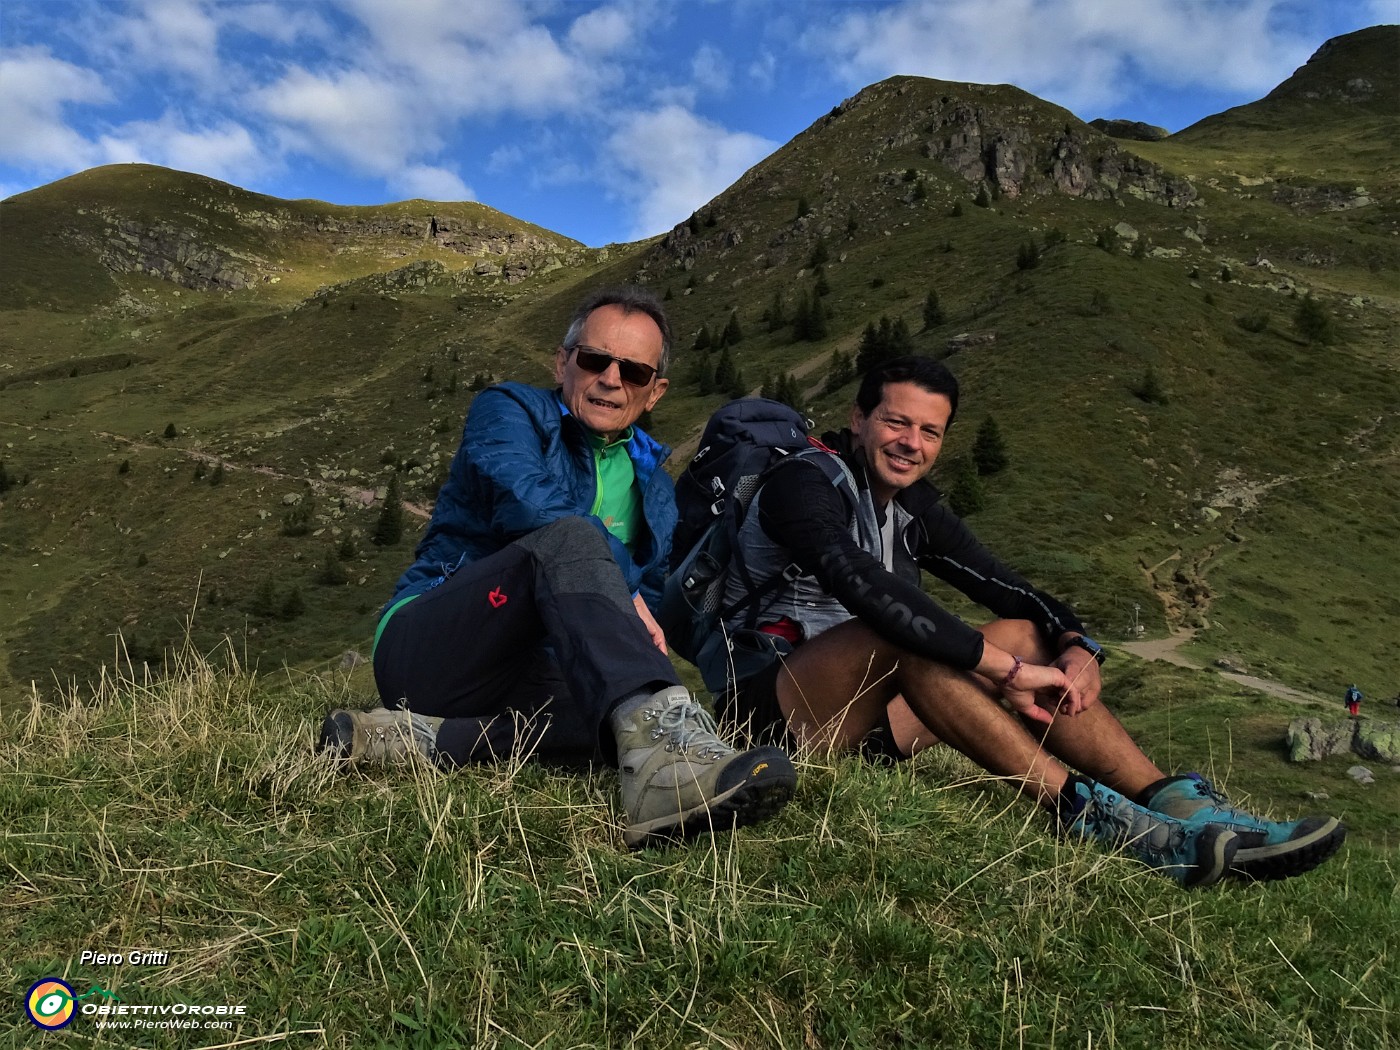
<point>688,725</point>
<point>1144,833</point>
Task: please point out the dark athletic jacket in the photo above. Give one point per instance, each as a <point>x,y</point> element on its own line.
<point>803,519</point>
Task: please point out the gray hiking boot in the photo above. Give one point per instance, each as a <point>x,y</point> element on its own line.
<point>378,736</point>
<point>679,779</point>
<point>1268,849</point>
<point>1189,854</point>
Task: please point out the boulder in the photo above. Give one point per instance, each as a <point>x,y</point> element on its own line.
<point>1377,741</point>
<point>1311,739</point>
<point>1361,775</point>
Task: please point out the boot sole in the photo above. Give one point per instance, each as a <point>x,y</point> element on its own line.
<point>1283,860</point>
<point>337,736</point>
<point>749,802</point>
<point>1214,856</point>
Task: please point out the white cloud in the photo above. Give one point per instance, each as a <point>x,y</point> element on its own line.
<point>430,183</point>
<point>227,151</point>
<point>354,117</point>
<point>710,69</point>
<point>601,32</point>
<point>763,70</point>
<point>283,24</point>
<point>1080,53</point>
<point>167,35</point>
<point>668,162</point>
<point>34,89</point>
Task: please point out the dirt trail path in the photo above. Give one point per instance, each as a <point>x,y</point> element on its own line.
<point>365,497</point>
<point>1168,650</point>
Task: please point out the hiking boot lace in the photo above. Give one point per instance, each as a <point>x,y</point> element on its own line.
<point>688,725</point>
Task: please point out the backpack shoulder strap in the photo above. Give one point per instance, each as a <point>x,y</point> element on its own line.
<point>837,473</point>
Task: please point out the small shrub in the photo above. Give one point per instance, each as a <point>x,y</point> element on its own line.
<point>1253,322</point>
<point>1313,322</point>
<point>1150,388</point>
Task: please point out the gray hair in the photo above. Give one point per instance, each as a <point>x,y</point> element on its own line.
<point>629,298</point>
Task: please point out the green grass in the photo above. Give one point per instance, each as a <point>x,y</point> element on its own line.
<point>495,907</point>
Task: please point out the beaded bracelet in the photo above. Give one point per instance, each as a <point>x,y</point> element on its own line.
<point>1016,666</point>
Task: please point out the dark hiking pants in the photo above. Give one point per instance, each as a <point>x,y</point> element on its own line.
<point>524,652</point>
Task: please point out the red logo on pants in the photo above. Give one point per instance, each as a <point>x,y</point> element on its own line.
<point>496,598</point>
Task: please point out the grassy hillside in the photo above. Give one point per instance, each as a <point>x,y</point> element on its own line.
<point>923,907</point>
<point>1253,500</point>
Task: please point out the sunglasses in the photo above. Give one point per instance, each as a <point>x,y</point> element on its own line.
<point>633,373</point>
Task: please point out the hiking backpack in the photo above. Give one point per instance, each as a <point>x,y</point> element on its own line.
<point>742,443</point>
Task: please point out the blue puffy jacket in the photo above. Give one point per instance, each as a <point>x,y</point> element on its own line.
<point>523,463</point>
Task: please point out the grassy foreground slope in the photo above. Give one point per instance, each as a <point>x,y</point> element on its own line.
<point>495,907</point>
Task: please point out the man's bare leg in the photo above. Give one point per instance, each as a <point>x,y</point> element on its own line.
<point>833,688</point>
<point>1094,742</point>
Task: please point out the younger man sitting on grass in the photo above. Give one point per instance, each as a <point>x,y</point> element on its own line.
<point>851,653</point>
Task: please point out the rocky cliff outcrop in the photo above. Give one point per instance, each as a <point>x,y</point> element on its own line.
<point>171,253</point>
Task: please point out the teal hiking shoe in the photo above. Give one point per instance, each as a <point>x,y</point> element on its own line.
<point>1268,849</point>
<point>679,779</point>
<point>1192,855</point>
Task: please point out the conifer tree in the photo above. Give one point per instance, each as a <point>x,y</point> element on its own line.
<point>819,254</point>
<point>389,529</point>
<point>725,372</point>
<point>264,604</point>
<point>702,338</point>
<point>801,317</point>
<point>293,605</point>
<point>777,318</point>
<point>965,494</point>
<point>821,287</point>
<point>816,320</point>
<point>732,331</point>
<point>217,478</point>
<point>705,376</point>
<point>841,372</point>
<point>933,311</point>
<point>901,342</point>
<point>989,450</point>
<point>332,573</point>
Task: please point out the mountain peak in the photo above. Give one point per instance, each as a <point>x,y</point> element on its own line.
<point>1359,68</point>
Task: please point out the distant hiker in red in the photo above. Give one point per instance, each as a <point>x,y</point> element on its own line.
<point>524,627</point>
<point>1353,699</point>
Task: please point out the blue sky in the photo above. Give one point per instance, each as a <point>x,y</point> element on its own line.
<point>603,121</point>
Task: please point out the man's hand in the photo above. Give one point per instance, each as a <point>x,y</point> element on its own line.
<point>658,636</point>
<point>1082,669</point>
<point>1036,691</point>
